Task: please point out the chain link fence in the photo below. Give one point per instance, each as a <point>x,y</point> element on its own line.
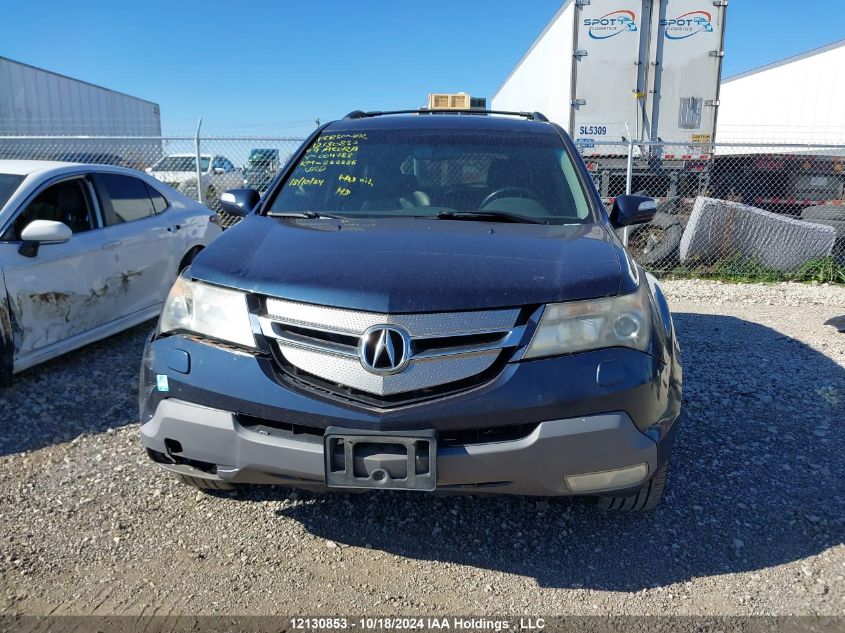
<point>722,208</point>
<point>730,209</point>
<point>200,167</point>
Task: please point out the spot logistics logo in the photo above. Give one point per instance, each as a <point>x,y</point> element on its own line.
<point>612,24</point>
<point>687,25</point>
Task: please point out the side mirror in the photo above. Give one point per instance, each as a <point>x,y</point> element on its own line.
<point>239,202</point>
<point>632,209</point>
<point>40,232</point>
<point>219,170</point>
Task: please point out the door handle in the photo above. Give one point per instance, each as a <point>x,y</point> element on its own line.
<point>174,228</point>
<point>114,244</point>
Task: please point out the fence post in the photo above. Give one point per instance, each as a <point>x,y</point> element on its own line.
<point>199,170</point>
<point>629,176</point>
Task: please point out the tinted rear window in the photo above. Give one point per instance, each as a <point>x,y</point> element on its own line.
<point>124,198</point>
<point>159,202</point>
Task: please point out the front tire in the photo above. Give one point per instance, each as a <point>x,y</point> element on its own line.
<point>645,499</point>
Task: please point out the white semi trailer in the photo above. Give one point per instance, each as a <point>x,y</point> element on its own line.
<point>809,117</point>
<point>38,103</point>
<point>610,71</point>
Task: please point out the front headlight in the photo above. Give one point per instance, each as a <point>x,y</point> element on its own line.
<point>578,326</point>
<point>211,311</point>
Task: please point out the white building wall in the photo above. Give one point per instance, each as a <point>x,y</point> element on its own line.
<point>798,100</point>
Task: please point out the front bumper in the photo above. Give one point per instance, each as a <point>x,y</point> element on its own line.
<point>592,412</point>
<point>218,447</point>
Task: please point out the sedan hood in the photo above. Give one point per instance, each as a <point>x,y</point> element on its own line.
<point>401,265</point>
<point>174,176</point>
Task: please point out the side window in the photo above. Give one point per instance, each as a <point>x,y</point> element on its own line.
<point>123,198</point>
<point>220,162</point>
<point>65,202</point>
<point>159,201</point>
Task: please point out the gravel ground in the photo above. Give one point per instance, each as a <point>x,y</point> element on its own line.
<point>753,522</point>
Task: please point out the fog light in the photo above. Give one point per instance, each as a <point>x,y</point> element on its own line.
<point>608,480</point>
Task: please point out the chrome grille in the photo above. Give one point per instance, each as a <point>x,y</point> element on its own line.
<point>445,347</point>
<point>418,325</point>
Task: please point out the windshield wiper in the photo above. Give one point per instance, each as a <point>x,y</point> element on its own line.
<point>494,216</point>
<point>308,215</point>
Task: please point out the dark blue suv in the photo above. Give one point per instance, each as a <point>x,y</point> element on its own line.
<point>420,301</point>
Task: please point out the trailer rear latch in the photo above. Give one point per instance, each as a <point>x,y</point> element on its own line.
<point>578,102</point>
<point>717,53</point>
<point>579,53</point>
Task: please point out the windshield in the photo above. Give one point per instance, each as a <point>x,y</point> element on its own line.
<point>181,163</point>
<point>431,172</point>
<point>8,185</point>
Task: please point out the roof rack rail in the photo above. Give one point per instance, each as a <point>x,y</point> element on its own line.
<point>531,116</point>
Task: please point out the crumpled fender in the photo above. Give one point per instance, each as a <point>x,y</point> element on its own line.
<point>7,338</point>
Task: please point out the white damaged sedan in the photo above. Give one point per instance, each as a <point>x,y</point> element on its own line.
<point>85,252</point>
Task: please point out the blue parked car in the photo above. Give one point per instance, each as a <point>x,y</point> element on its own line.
<point>420,301</point>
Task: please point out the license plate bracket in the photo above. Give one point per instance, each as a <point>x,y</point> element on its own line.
<point>402,460</point>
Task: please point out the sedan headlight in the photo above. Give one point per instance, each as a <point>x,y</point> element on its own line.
<point>211,311</point>
<point>578,326</point>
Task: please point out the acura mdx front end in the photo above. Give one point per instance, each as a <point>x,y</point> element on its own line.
<point>420,302</point>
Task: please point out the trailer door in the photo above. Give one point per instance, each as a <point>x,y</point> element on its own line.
<point>606,70</point>
<point>684,84</point>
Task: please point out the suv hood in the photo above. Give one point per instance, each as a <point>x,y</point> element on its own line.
<point>398,265</point>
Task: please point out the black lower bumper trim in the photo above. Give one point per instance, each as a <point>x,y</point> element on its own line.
<point>393,461</point>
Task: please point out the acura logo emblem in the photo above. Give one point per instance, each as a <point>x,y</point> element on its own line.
<point>385,349</point>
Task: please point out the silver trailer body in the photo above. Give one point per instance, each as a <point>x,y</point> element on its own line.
<point>612,70</point>
<point>34,101</point>
<point>38,103</point>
